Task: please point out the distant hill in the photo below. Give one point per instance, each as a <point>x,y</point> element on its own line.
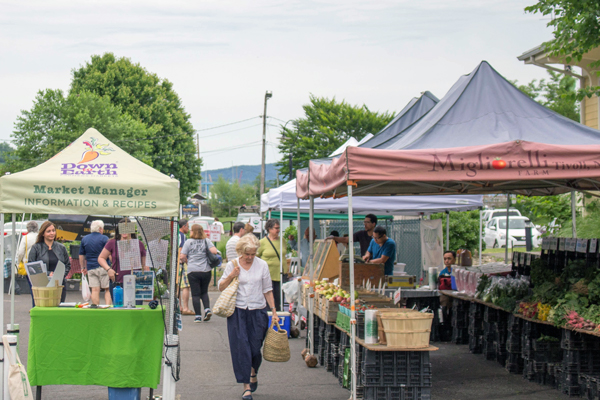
<point>246,174</point>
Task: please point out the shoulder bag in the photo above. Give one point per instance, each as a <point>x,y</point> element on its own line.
<point>213,260</point>
<point>18,381</point>
<point>284,277</point>
<point>21,270</point>
<point>225,304</point>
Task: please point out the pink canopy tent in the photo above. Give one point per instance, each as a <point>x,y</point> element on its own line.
<point>484,136</point>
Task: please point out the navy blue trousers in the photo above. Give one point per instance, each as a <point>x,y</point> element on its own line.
<point>247,330</point>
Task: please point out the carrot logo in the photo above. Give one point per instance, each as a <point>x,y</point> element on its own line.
<point>94,150</point>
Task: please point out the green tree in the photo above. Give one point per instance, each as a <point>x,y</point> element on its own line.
<point>326,125</point>
<point>557,94</point>
<point>464,226</point>
<point>225,197</point>
<point>576,25</point>
<point>541,210</point>
<point>5,152</point>
<point>152,101</point>
<point>55,121</point>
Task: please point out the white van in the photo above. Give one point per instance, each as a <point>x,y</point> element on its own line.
<point>500,212</point>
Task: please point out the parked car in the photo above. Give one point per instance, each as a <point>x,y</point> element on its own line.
<point>204,222</point>
<point>500,212</point>
<point>495,232</point>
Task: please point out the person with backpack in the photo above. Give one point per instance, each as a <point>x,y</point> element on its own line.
<point>199,271</point>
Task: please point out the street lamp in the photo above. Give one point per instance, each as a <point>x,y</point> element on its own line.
<point>268,95</point>
<point>291,168</point>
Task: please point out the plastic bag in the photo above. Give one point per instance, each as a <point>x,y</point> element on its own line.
<point>291,290</point>
<point>85,289</point>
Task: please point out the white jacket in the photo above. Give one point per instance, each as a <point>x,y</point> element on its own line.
<point>27,243</point>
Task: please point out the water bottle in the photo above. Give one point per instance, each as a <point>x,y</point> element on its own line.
<point>118,296</point>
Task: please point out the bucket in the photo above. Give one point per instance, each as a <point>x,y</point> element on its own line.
<point>47,296</point>
<point>124,393</point>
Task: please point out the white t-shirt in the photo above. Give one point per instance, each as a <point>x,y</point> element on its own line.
<point>220,225</point>
<point>254,283</point>
<point>230,248</point>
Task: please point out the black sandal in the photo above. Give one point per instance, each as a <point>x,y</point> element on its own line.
<point>249,397</point>
<point>253,385</point>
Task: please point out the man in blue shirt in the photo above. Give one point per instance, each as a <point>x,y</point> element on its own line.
<point>91,247</point>
<point>382,250</point>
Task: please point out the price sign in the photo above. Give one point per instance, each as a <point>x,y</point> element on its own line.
<point>215,233</point>
<point>593,245</point>
<point>544,243</point>
<point>571,244</point>
<point>522,257</point>
<point>561,244</point>
<point>582,246</point>
<point>528,259</point>
<point>516,258</point>
<point>398,295</point>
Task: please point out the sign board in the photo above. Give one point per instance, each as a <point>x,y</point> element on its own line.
<point>571,244</point>
<point>528,259</point>
<point>215,233</point>
<point>432,248</point>
<point>398,295</point>
<point>561,244</point>
<point>190,210</point>
<point>582,246</point>
<point>144,285</point>
<point>522,258</point>
<point>593,245</point>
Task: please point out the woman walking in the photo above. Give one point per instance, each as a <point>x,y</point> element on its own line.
<point>198,270</point>
<point>248,325</point>
<point>49,251</point>
<point>269,251</point>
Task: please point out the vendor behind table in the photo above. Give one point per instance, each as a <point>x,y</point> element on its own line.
<point>382,250</point>
<point>445,301</point>
<point>362,237</point>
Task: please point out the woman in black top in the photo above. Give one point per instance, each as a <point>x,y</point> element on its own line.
<point>50,252</point>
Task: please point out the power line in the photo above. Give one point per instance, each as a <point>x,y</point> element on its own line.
<point>235,130</point>
<point>232,123</point>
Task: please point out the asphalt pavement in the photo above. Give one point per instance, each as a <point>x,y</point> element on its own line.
<point>206,371</point>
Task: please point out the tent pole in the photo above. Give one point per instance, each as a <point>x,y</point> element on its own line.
<point>2,242</point>
<point>506,233</point>
<point>171,337</point>
<point>12,271</point>
<point>281,257</point>
<point>447,230</point>
<point>574,213</point>
<point>298,245</point>
<point>352,294</point>
<point>311,322</point>
<point>480,229</point>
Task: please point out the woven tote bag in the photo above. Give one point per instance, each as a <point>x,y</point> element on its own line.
<point>277,347</point>
<point>225,305</point>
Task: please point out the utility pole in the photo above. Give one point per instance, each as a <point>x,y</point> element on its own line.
<point>268,95</point>
<point>198,149</point>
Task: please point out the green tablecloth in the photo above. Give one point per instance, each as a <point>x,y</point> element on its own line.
<point>116,348</point>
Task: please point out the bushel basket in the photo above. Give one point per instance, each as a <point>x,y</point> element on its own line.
<point>47,296</point>
<point>409,330</point>
<point>277,347</point>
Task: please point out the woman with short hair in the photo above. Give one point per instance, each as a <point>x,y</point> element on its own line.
<point>248,325</point>
<point>27,242</point>
<point>50,252</point>
<point>198,269</point>
<point>269,251</point>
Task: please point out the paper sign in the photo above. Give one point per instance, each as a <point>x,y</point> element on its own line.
<point>582,245</point>
<point>57,275</point>
<point>126,227</point>
<point>144,285</point>
<point>398,295</point>
<point>528,259</point>
<point>570,244</point>
<point>561,244</point>
<point>593,245</point>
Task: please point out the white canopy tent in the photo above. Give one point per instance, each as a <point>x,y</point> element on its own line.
<point>93,176</point>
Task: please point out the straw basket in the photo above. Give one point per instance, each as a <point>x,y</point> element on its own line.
<point>277,347</point>
<point>408,329</point>
<point>47,296</point>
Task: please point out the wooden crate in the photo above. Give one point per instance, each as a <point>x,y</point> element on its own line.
<point>367,272</point>
<point>329,311</point>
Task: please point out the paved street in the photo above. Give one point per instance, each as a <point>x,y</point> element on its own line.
<point>206,371</point>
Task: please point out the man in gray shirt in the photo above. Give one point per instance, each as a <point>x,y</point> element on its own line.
<point>238,232</point>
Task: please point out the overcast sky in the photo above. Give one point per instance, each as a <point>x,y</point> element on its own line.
<point>223,55</point>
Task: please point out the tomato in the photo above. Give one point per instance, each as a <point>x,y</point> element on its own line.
<point>498,163</point>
